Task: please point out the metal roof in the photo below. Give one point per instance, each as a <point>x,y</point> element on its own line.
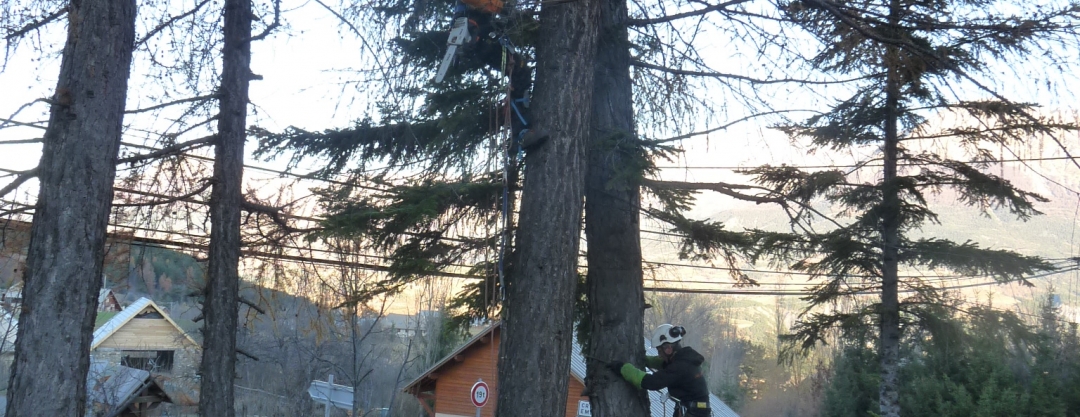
<point>9,330</point>
<point>117,385</point>
<point>124,316</point>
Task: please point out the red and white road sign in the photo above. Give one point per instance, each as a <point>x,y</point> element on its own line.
<point>479,393</point>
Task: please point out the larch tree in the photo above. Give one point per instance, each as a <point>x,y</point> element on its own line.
<point>67,243</point>
<point>221,293</point>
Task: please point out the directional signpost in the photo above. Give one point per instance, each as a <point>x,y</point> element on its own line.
<point>479,395</point>
<point>331,394</point>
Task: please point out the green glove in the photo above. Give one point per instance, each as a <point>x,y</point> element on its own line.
<point>632,374</point>
<point>654,362</point>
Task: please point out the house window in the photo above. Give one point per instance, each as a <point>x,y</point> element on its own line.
<point>150,360</point>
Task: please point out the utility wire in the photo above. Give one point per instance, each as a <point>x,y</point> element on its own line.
<point>902,164</point>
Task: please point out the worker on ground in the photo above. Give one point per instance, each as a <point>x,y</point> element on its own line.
<point>677,368</point>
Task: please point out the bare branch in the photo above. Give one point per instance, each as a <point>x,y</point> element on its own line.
<point>11,119</point>
<point>248,354</point>
<point>23,177</point>
<point>169,150</point>
<point>663,19</point>
<point>253,306</point>
<point>168,23</point>
<point>276,24</point>
<point>723,127</point>
<point>20,141</point>
<point>35,25</point>
<point>163,105</point>
<point>18,123</point>
<point>23,209</point>
<point>165,200</point>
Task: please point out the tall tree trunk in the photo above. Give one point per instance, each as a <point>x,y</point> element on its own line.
<point>612,225</point>
<point>220,306</point>
<point>356,378</point>
<point>534,358</point>
<point>67,239</point>
<point>889,400</point>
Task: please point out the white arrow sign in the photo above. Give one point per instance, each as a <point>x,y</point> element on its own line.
<point>333,395</point>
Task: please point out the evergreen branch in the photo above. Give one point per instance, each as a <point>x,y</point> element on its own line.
<point>699,12</point>
<point>703,240</point>
<point>969,259</point>
<point>642,64</point>
<point>720,187</point>
<point>275,214</point>
<point>930,55</point>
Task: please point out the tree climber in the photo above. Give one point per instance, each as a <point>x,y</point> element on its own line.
<point>677,368</point>
<point>476,30</point>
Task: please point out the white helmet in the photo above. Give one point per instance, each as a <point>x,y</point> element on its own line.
<point>666,333</point>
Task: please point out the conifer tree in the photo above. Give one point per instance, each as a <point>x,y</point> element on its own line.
<point>913,58</point>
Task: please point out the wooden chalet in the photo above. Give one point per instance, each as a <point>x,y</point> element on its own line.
<point>444,388</point>
<point>143,336</point>
<point>107,301</point>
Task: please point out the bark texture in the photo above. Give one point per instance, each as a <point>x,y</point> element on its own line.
<point>78,165</point>
<point>221,301</point>
<point>612,226</point>
<point>534,358</point>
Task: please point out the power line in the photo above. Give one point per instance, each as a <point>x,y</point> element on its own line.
<point>865,292</point>
<point>902,164</point>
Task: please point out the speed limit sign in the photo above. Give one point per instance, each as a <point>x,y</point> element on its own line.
<point>479,393</point>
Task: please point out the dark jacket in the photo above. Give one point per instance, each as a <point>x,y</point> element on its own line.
<point>683,378</point>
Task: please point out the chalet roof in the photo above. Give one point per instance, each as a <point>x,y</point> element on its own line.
<point>438,365</point>
<point>104,295</point>
<point>660,404</point>
<point>124,316</point>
